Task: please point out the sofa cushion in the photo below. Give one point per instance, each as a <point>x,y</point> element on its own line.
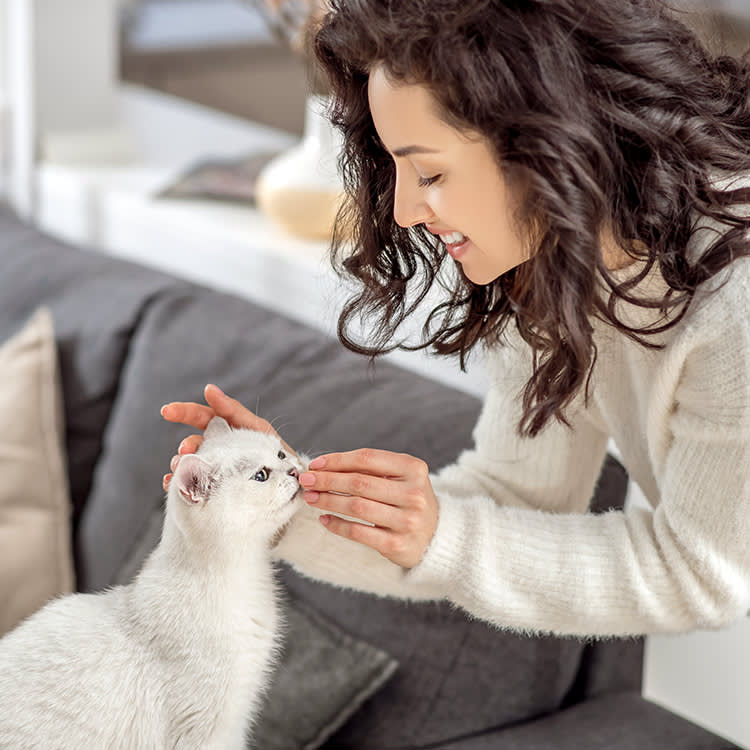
<point>35,549</point>
<point>323,677</point>
<point>616,721</point>
<point>96,304</point>
<point>457,676</point>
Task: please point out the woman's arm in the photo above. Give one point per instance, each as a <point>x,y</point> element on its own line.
<point>514,546</point>
<point>556,470</point>
<point>396,492</point>
<point>682,566</point>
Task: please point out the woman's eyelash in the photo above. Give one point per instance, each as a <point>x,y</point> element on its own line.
<point>427,181</point>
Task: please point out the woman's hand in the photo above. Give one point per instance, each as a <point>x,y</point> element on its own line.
<point>199,415</point>
<point>391,491</point>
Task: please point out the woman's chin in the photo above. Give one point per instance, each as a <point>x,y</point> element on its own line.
<point>479,277</point>
<point>482,276</point>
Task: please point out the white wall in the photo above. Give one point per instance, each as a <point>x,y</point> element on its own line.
<point>75,52</point>
<point>61,71</point>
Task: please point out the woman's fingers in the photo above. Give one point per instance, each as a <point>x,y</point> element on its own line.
<point>189,445</point>
<point>233,411</point>
<point>372,461</point>
<point>219,404</point>
<point>384,490</point>
<point>381,540</point>
<point>189,413</point>
<point>392,491</point>
<point>362,508</point>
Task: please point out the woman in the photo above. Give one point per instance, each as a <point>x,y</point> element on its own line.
<point>586,167</point>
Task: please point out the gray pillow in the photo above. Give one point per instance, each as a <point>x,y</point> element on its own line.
<point>323,678</point>
<point>95,302</point>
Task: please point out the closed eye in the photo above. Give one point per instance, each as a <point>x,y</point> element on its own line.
<point>262,474</point>
<point>427,181</point>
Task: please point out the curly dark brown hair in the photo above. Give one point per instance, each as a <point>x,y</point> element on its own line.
<point>608,117</point>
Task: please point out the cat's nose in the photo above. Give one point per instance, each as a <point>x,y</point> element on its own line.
<point>293,472</point>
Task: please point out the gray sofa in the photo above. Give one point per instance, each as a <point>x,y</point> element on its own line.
<point>356,671</point>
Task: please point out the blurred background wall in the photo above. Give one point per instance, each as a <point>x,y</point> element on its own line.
<point>220,53</point>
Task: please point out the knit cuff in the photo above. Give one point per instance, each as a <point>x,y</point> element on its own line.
<point>441,558</point>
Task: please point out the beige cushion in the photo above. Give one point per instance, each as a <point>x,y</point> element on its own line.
<point>35,538</point>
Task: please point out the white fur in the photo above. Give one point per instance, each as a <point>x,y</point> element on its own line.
<point>180,657</point>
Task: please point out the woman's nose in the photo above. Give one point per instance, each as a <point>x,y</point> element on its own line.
<point>293,472</point>
<point>409,206</point>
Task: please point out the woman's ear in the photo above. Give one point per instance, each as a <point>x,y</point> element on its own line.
<point>192,478</point>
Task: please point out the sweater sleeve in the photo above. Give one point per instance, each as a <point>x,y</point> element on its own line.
<point>683,566</point>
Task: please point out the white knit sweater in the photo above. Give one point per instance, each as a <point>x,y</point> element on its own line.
<point>515,544</point>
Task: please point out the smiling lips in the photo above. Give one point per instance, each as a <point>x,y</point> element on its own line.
<point>456,243</point>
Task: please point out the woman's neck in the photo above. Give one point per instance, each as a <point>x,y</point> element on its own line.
<point>614,255</point>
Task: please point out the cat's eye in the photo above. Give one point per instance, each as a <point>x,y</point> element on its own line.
<point>261,475</point>
<point>281,454</point>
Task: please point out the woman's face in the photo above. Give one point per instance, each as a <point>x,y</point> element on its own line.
<point>445,180</point>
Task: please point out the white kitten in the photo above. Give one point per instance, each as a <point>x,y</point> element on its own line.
<point>180,657</point>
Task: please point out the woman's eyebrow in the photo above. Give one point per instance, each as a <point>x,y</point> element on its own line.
<point>409,150</point>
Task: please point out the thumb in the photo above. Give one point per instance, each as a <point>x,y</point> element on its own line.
<point>233,411</point>
<point>238,415</point>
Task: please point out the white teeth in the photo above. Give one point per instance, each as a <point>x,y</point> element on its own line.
<point>454,238</point>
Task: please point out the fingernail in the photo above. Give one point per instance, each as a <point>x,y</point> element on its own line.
<point>166,479</point>
<point>307,479</point>
<point>212,385</point>
<point>311,497</point>
<point>318,463</point>
<point>181,447</point>
<point>163,409</point>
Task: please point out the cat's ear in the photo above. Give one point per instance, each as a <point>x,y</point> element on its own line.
<point>193,479</point>
<point>217,426</point>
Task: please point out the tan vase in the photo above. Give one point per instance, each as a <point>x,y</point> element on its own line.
<point>301,189</point>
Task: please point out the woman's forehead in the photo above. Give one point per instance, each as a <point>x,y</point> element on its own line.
<point>405,115</point>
